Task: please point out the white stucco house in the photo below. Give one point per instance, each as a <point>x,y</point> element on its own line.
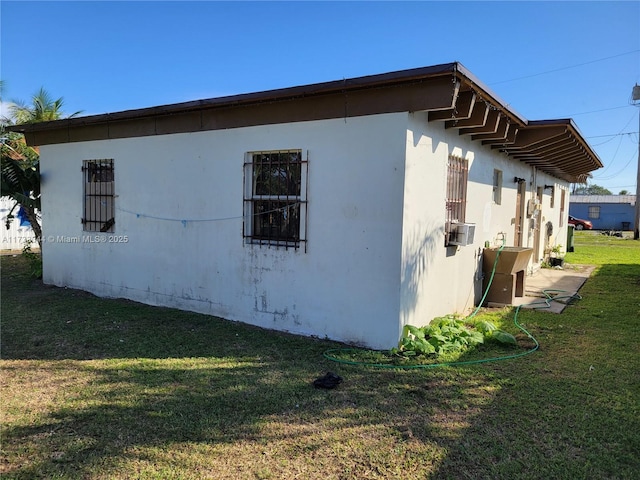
<point>344,209</point>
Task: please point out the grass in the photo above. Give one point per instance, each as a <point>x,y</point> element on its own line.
<point>100,389</point>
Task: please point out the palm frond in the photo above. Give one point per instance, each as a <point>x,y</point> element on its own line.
<point>43,108</point>
<point>20,180</point>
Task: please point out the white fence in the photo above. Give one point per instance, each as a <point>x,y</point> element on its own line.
<point>15,236</point>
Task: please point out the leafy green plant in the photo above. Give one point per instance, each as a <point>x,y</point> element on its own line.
<point>34,259</point>
<point>448,334</point>
<point>491,332</point>
<point>556,249</point>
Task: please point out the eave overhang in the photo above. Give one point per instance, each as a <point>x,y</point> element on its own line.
<point>448,92</point>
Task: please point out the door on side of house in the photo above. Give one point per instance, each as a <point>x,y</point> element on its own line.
<point>537,219</point>
<point>520,213</point>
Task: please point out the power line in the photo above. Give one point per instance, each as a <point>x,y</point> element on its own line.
<point>566,68</point>
<point>607,141</point>
<point>617,134</point>
<point>596,111</point>
<point>612,135</point>
<point>615,154</point>
<point>610,176</point>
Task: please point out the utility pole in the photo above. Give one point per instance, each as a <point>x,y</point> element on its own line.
<point>635,95</point>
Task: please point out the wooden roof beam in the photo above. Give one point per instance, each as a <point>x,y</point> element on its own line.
<point>500,132</point>
<point>509,139</point>
<point>478,117</point>
<point>520,146</point>
<point>544,162</point>
<point>529,137</point>
<point>570,162</point>
<point>462,108</point>
<point>555,148</point>
<point>491,125</point>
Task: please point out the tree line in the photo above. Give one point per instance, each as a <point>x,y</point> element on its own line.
<point>594,189</point>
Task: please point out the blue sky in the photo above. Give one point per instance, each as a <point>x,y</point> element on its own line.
<point>546,59</point>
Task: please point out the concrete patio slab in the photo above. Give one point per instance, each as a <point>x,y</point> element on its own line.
<point>561,283</point>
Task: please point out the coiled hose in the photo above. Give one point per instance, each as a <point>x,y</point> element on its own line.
<point>550,295</point>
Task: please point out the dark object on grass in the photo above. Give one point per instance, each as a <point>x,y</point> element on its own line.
<point>330,380</point>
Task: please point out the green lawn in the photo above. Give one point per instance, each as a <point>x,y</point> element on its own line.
<point>100,389</point>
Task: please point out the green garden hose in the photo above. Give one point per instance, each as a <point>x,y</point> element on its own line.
<point>550,295</point>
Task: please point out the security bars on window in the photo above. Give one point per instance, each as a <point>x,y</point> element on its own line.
<point>275,198</point>
<point>456,201</point>
<point>99,211</point>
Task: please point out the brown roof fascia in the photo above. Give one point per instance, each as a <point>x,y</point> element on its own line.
<point>439,88</point>
<point>345,86</point>
<point>425,94</point>
<point>575,133</point>
<point>246,99</point>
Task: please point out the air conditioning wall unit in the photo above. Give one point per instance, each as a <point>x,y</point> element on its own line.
<point>462,234</point>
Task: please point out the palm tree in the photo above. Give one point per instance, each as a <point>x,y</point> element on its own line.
<point>20,165</point>
<point>21,179</point>
<point>43,108</point>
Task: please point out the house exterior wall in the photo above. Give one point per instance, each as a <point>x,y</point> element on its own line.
<point>438,280</point>
<point>375,258</point>
<point>178,234</point>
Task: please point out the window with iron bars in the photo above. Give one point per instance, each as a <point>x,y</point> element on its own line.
<point>456,199</point>
<point>99,208</point>
<point>275,205</point>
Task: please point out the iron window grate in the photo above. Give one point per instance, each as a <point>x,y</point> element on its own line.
<point>456,195</point>
<point>99,205</point>
<point>275,203</point>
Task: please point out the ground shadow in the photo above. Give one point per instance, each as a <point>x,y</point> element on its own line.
<point>178,384</point>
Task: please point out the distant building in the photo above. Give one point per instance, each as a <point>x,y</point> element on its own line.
<point>606,212</point>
